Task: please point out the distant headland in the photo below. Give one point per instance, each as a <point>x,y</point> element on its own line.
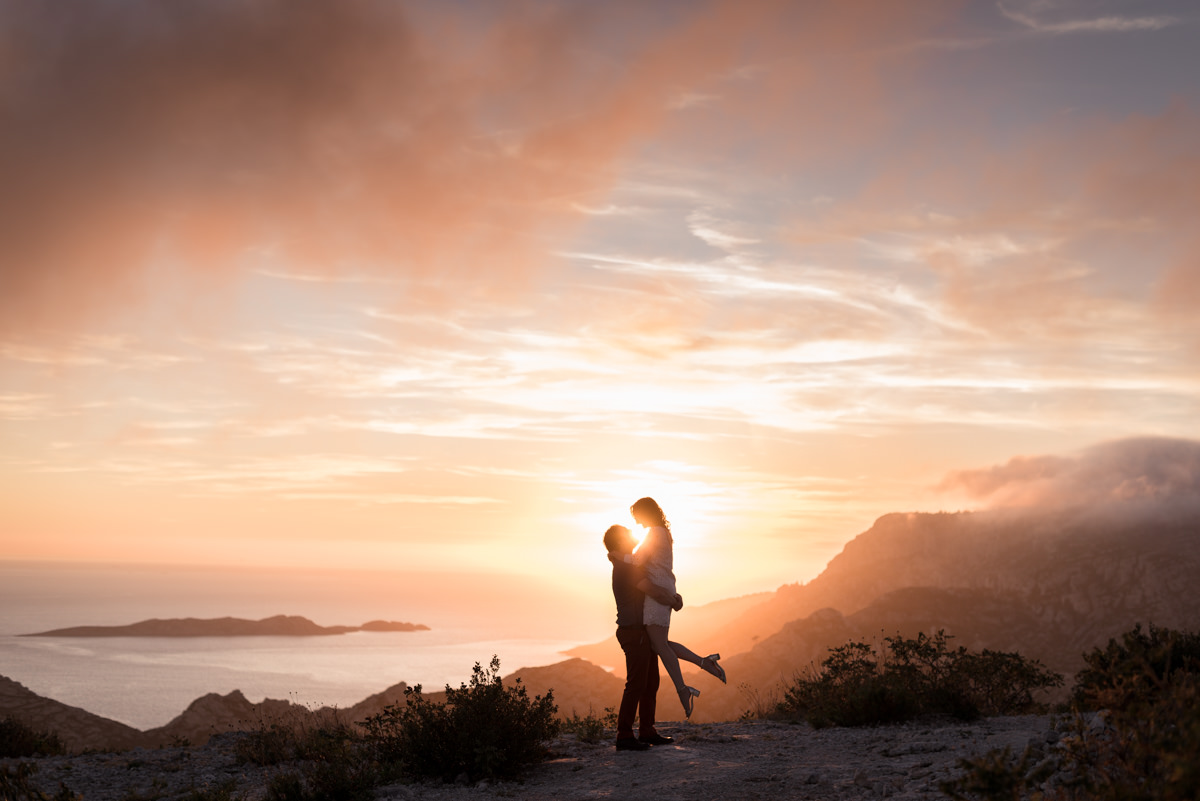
<point>277,626</point>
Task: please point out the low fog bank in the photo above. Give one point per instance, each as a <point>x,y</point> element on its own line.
<point>1155,480</point>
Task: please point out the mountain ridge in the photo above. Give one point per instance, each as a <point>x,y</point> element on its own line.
<point>1051,585</point>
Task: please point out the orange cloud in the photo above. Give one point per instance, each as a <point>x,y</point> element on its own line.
<point>1044,237</point>
<point>374,137</point>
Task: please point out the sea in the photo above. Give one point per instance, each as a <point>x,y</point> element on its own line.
<point>146,682</point>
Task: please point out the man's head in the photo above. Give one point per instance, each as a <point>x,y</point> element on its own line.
<point>618,540</point>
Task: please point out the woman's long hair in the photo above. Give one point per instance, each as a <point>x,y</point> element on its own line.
<point>650,508</point>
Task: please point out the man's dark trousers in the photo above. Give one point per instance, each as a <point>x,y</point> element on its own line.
<point>641,682</point>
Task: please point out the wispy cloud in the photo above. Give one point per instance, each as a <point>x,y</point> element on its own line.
<point>22,406</point>
<point>1030,20</point>
<point>438,272</point>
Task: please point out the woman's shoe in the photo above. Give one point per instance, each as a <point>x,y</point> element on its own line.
<point>709,663</point>
<point>687,697</point>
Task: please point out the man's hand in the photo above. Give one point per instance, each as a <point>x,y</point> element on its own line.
<point>659,593</point>
<point>677,602</point>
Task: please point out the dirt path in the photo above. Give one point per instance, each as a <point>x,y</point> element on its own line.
<point>759,760</point>
<point>707,762</point>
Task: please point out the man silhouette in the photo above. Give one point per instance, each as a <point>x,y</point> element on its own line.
<point>641,663</point>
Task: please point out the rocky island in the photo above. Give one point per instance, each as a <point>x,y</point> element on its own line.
<point>276,626</point>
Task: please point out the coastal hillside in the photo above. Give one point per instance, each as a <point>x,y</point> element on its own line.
<point>580,687</point>
<point>1050,586</point>
<point>77,728</point>
<point>1088,574</point>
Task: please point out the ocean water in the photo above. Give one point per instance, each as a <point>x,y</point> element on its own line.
<point>145,682</point>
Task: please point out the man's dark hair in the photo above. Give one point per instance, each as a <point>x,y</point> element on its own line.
<point>615,537</point>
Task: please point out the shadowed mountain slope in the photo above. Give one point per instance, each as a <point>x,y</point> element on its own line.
<point>1050,587</point>
<point>78,728</point>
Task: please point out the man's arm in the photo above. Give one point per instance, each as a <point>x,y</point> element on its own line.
<point>675,601</point>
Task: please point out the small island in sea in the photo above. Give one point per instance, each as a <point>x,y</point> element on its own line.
<point>277,626</point>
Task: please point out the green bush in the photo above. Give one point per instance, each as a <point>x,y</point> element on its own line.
<point>856,686</point>
<point>484,730</point>
<point>18,739</point>
<point>1133,734</point>
<point>1136,667</point>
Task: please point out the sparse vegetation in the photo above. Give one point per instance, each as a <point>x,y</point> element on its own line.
<point>484,730</point>
<point>759,705</point>
<point>220,792</point>
<point>15,785</point>
<point>19,740</point>
<point>300,739</point>
<point>856,685</point>
<point>326,760</point>
<point>591,728</point>
<point>1132,735</point>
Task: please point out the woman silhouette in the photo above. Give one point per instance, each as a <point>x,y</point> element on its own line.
<point>656,556</point>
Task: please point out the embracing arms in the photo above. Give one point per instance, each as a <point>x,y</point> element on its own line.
<point>659,594</point>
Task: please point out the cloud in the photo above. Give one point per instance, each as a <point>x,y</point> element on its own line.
<point>1096,24</point>
<point>450,144</point>
<point>343,136</point>
<point>1143,472</point>
<point>1037,238</point>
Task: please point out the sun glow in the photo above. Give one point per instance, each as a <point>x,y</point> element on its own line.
<point>688,503</point>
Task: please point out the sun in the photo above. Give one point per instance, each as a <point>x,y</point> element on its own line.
<point>687,503</point>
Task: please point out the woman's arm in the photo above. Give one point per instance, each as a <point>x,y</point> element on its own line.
<point>660,594</point>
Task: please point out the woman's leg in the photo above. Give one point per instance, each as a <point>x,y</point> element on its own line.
<point>706,663</point>
<point>662,647</point>
<point>682,652</point>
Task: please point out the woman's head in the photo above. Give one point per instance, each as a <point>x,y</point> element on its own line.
<point>647,512</point>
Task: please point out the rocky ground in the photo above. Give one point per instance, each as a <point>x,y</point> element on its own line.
<point>742,760</point>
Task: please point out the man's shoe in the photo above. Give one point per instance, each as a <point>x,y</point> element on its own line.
<point>656,739</point>
<point>632,744</point>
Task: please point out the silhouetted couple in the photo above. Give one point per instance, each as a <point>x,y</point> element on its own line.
<point>643,583</point>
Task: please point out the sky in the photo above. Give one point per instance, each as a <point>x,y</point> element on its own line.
<point>446,286</point>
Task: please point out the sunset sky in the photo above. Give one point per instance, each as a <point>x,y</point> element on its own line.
<point>447,286</point>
